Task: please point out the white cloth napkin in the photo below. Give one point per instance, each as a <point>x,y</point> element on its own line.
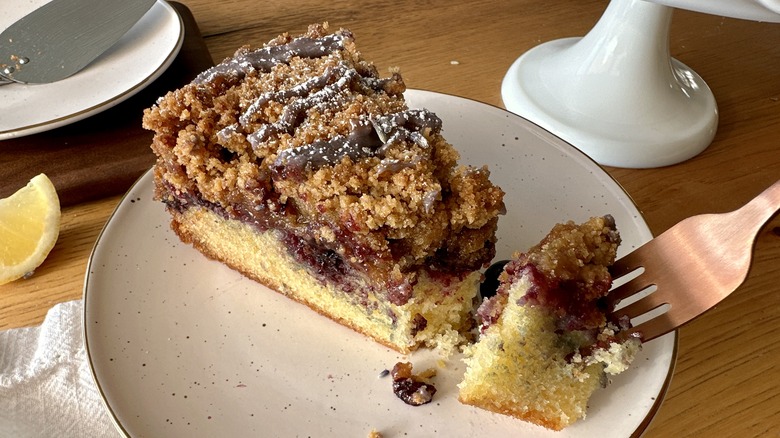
<point>46,388</point>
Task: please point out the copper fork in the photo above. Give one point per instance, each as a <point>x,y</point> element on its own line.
<point>689,268</point>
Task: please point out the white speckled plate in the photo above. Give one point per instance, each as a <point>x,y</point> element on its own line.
<point>181,346</point>
<point>136,60</point>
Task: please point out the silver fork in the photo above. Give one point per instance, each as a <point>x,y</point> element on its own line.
<point>691,267</point>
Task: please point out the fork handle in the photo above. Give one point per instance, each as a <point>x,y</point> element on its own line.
<point>760,209</point>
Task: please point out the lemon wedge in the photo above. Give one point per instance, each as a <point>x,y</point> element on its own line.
<point>29,227</point>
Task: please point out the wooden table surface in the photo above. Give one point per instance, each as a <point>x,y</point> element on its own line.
<point>727,379</point>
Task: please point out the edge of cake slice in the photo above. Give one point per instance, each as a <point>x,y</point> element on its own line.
<point>296,164</point>
<point>545,344</point>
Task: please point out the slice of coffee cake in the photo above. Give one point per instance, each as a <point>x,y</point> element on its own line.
<point>545,343</point>
<point>297,165</point>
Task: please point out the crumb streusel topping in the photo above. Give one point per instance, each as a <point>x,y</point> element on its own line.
<point>569,272</point>
<point>302,135</point>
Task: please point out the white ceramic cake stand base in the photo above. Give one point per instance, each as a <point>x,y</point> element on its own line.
<point>616,94</point>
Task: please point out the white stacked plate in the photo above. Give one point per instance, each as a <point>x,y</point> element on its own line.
<point>136,60</point>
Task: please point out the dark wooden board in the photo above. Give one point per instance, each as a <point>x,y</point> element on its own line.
<point>104,154</point>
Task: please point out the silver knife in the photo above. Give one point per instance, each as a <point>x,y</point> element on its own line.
<point>63,36</point>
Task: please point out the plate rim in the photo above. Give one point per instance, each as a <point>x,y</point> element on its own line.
<point>638,432</point>
<point>114,100</point>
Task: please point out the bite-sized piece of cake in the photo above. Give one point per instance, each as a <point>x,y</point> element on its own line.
<point>297,165</point>
<point>545,344</point>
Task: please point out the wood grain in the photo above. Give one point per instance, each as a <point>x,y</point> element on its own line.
<point>726,380</point>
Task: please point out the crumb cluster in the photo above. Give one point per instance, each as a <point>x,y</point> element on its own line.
<point>570,269</point>
<point>579,253</point>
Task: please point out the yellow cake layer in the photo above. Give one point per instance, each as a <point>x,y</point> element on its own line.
<point>261,256</point>
<point>518,368</point>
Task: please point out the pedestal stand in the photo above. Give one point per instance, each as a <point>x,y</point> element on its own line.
<point>616,93</point>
